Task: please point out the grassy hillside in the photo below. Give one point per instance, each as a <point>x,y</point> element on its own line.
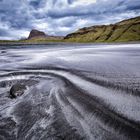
<point>127,30</point>
<point>42,40</point>
<point>30,41</point>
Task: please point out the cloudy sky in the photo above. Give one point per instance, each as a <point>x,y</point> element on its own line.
<point>60,17</point>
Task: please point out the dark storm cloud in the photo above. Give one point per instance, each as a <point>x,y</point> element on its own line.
<point>97,9</point>
<point>35,3</point>
<point>59,17</point>
<point>3,32</point>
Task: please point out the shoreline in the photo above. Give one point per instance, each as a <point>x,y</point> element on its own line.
<point>63,43</point>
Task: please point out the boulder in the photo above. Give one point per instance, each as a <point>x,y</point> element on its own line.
<point>2,84</point>
<point>3,51</point>
<point>17,90</point>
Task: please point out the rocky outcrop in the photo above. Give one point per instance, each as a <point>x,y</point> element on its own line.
<point>35,34</point>
<point>127,30</point>
<point>39,35</point>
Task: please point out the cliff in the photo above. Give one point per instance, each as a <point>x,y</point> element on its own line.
<point>126,30</point>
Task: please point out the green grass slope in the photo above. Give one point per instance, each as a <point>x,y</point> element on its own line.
<point>124,31</point>
<point>31,41</point>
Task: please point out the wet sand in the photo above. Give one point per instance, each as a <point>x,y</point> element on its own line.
<point>74,92</point>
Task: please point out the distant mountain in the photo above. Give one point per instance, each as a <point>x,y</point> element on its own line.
<point>39,35</point>
<point>126,30</point>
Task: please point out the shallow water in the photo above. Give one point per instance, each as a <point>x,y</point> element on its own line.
<point>74,92</point>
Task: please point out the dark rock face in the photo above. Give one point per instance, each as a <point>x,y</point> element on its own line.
<point>36,33</point>
<point>17,90</point>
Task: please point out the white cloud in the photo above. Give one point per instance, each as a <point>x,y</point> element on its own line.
<point>83,2</point>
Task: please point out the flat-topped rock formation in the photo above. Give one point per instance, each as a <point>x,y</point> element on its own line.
<point>35,34</point>
<point>39,35</point>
